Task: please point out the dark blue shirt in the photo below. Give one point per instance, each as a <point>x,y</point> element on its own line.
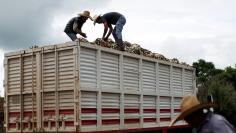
<point>215,123</point>
<point>111,18</point>
<point>69,26</point>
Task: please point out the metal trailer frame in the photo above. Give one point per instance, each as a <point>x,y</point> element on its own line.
<point>78,87</point>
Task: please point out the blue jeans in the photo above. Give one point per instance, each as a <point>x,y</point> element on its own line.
<point>118,29</point>
<point>72,36</point>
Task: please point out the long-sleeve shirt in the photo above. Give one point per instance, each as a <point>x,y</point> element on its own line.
<point>69,25</point>
<point>215,123</point>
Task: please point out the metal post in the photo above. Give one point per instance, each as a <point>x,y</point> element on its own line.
<point>99,93</point>
<point>122,92</point>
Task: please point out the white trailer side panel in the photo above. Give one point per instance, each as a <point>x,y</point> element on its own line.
<point>81,87</point>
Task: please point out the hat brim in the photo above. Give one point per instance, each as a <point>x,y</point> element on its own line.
<point>81,14</point>
<point>182,115</point>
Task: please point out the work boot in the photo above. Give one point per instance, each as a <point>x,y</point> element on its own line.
<point>121,45</point>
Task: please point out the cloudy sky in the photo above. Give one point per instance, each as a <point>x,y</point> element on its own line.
<point>183,29</point>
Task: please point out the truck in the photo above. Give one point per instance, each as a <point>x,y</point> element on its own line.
<point>83,87</point>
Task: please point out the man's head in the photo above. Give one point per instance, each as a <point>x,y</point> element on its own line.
<point>191,110</point>
<point>196,118</point>
<point>85,15</point>
<point>97,19</point>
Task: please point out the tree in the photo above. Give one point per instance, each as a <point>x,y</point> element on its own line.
<point>224,97</point>
<point>221,84</point>
<point>205,71</point>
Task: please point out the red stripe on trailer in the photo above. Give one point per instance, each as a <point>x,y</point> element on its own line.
<point>165,119</point>
<point>149,110</point>
<point>45,124</point>
<point>89,122</point>
<point>89,110</point>
<point>149,119</point>
<point>29,113</point>
<point>110,110</point>
<point>49,112</point>
<point>165,110</point>
<point>14,114</point>
<point>53,123</point>
<point>131,110</point>
<point>12,125</point>
<point>177,110</point>
<point>110,121</point>
<point>132,120</point>
<point>69,123</point>
<point>66,111</point>
<point>25,125</point>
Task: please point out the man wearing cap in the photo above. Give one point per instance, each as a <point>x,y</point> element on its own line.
<point>201,118</point>
<point>74,26</point>
<point>109,19</point>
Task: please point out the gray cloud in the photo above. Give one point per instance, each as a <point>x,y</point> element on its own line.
<point>28,22</point>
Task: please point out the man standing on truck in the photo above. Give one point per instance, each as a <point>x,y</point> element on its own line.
<point>74,26</point>
<point>109,19</point>
<point>201,118</point>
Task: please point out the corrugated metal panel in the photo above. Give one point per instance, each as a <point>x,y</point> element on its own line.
<point>29,112</point>
<point>164,79</point>
<point>110,100</point>
<point>88,68</point>
<point>29,73</point>
<point>110,71</point>
<point>149,76</point>
<point>14,75</point>
<point>29,103</point>
<point>149,106</point>
<point>49,72</point>
<point>14,103</point>
<point>49,101</point>
<point>66,110</point>
<point>66,70</point>
<point>165,110</point>
<point>49,114</point>
<point>88,111</point>
<point>14,112</point>
<point>131,74</point>
<point>110,106</point>
<point>177,81</point>
<point>58,103</point>
<point>149,111</point>
<point>188,80</point>
<point>131,110</point>
<point>131,101</point>
<point>88,101</point>
<point>66,99</point>
<point>177,101</point>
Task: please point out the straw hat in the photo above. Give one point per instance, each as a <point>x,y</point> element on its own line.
<point>86,14</point>
<point>189,105</point>
<point>95,18</point>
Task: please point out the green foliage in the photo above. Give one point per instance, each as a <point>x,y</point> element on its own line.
<point>225,99</point>
<point>204,70</point>
<point>221,84</point>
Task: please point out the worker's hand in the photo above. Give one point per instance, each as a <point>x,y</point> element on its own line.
<point>83,35</point>
<point>105,38</point>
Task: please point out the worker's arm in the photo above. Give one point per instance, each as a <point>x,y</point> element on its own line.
<point>109,33</point>
<point>105,30</point>
<point>77,30</point>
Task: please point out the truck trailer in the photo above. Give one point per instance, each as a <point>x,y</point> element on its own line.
<point>82,87</point>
